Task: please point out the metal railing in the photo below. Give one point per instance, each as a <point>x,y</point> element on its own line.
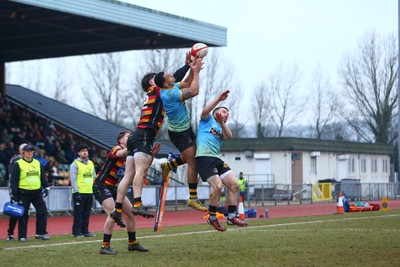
<point>60,197</point>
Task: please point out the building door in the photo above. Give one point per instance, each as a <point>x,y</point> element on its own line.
<point>262,171</point>
<point>297,168</point>
<point>341,169</point>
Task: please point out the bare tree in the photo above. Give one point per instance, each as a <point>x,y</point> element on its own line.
<point>369,78</point>
<point>323,103</point>
<point>107,94</point>
<point>236,111</point>
<point>61,84</point>
<point>29,75</point>
<point>261,112</point>
<point>283,103</point>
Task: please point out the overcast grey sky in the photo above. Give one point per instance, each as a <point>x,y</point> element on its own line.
<point>263,34</point>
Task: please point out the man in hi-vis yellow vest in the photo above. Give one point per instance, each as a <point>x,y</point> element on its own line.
<point>82,175</point>
<point>29,185</point>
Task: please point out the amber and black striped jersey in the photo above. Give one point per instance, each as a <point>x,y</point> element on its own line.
<point>152,114</point>
<point>113,168</point>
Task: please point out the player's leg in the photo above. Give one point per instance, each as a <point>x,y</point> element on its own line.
<point>188,157</point>
<point>123,186</point>
<point>209,174</point>
<point>230,181</point>
<point>142,163</point>
<point>108,205</point>
<point>216,187</point>
<point>133,244</point>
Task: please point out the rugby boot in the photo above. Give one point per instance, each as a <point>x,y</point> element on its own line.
<point>236,221</point>
<point>217,226</point>
<point>142,212</point>
<point>137,247</point>
<point>117,217</point>
<point>107,251</point>
<point>197,205</point>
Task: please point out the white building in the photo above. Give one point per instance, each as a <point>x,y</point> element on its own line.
<point>305,161</point>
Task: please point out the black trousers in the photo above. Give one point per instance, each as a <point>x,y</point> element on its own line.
<point>11,225</point>
<point>82,211</point>
<point>41,214</point>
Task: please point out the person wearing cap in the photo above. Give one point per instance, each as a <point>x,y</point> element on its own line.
<point>13,220</point>
<point>82,175</point>
<point>29,186</point>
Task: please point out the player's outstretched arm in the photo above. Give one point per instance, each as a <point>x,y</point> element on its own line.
<point>181,72</point>
<point>193,90</point>
<point>207,109</point>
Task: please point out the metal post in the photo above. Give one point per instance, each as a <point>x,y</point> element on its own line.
<point>398,90</point>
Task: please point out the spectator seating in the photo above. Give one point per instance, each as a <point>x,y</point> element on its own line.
<point>3,173</point>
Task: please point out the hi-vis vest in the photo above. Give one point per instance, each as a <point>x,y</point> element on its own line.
<point>242,184</point>
<point>29,177</point>
<point>84,177</point>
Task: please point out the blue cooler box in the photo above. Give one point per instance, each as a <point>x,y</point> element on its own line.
<point>252,213</point>
<point>11,209</point>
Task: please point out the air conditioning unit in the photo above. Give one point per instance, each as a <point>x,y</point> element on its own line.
<point>261,156</point>
<point>248,154</point>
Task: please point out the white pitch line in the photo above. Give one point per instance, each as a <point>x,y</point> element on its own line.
<point>203,232</point>
<point>333,229</point>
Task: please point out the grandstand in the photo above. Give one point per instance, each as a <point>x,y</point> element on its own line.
<point>38,29</point>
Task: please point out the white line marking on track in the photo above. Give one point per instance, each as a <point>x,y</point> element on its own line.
<point>204,232</point>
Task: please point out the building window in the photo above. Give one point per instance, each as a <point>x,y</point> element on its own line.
<point>351,165</point>
<point>385,166</point>
<point>237,158</point>
<point>374,165</point>
<point>313,165</point>
<point>363,166</point>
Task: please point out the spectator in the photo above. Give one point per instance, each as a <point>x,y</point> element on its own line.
<point>41,158</point>
<point>97,162</point>
<point>70,153</point>
<point>59,153</point>
<point>10,151</point>
<point>48,146</point>
<point>4,157</point>
<point>53,175</point>
<point>6,137</point>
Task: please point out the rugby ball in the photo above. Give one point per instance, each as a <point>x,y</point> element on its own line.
<point>199,50</point>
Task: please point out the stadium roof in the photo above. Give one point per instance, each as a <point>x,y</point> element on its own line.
<point>95,130</point>
<point>38,29</point>
<point>304,144</point>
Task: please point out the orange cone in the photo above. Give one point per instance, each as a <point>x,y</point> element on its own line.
<point>340,209</point>
<point>241,209</point>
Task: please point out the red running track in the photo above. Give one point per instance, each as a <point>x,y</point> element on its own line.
<point>63,225</point>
